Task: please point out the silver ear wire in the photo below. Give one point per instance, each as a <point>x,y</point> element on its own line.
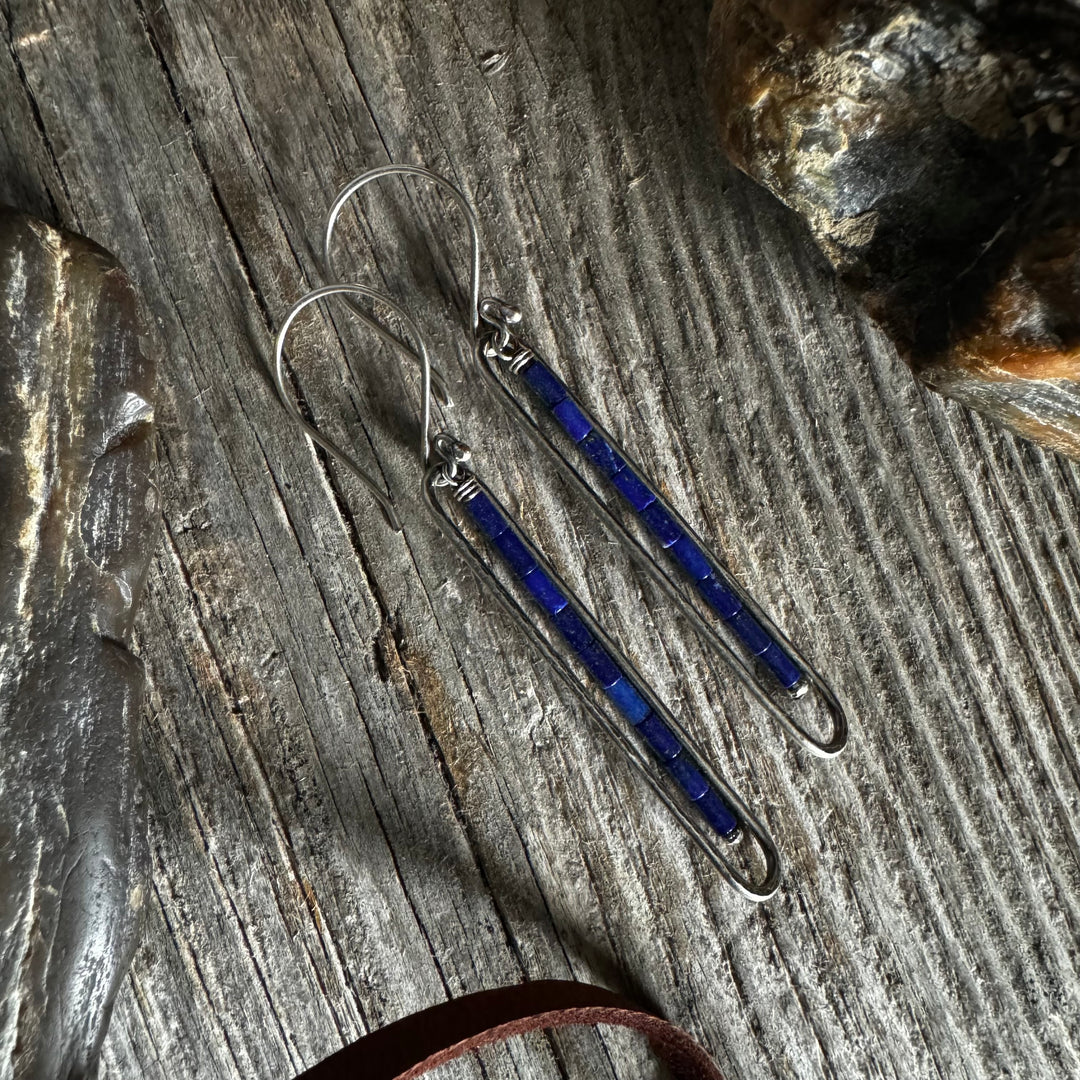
<point>420,355</point>
<point>352,187</point>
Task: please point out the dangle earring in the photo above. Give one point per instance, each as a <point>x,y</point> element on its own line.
<point>559,626</point>
<point>727,620</point>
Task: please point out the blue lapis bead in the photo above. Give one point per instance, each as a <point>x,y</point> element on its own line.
<point>662,524</point>
<point>636,491</point>
<point>545,590</point>
<point>691,557</point>
<point>545,382</point>
<point>718,814</point>
<point>660,737</point>
<point>595,657</point>
<point>784,669</point>
<point>521,560</point>
<point>628,701</point>
<point>486,515</point>
<point>602,455</point>
<point>574,422</point>
<point>571,627</point>
<point>688,777</point>
<point>720,598</point>
<point>750,632</point>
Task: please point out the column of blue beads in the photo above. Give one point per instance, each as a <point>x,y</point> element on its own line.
<point>555,394</point>
<point>602,665</point>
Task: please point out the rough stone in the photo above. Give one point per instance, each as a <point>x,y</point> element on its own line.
<point>81,508</point>
<point>930,146</point>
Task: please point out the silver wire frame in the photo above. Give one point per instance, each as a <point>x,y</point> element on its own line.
<point>821,748</point>
<point>435,482</point>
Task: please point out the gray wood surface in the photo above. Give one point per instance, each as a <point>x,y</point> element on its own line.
<point>364,794</point>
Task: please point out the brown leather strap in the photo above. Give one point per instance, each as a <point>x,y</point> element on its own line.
<point>413,1045</point>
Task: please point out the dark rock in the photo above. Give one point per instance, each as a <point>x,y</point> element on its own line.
<point>79,523</point>
<point>931,148</point>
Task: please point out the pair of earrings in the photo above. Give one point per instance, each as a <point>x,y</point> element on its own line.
<point>561,628</point>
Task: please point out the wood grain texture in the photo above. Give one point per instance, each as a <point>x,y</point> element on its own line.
<point>364,794</point>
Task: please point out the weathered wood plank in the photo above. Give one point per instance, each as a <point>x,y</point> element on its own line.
<point>364,795</point>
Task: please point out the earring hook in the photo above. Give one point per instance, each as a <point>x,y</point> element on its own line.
<point>354,185</point>
<point>420,354</point>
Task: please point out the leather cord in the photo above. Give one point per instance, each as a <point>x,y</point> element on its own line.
<point>415,1044</point>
